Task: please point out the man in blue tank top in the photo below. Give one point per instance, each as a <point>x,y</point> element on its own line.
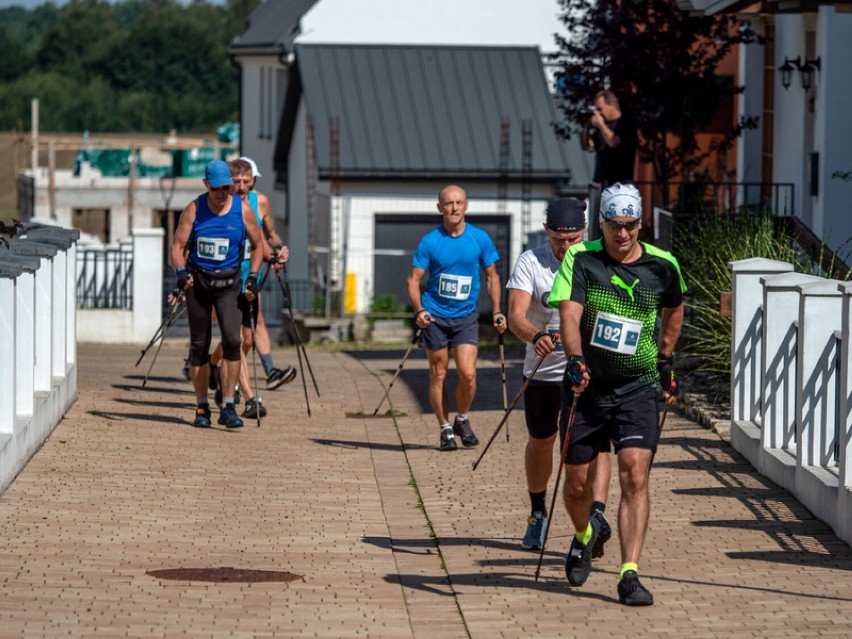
<point>206,253</point>
<point>446,311</point>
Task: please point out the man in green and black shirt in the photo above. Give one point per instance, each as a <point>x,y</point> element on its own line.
<point>609,292</point>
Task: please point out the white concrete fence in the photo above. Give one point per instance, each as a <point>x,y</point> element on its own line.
<point>791,359</point>
<point>38,348</point>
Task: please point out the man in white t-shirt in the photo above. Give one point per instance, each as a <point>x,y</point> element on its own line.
<point>533,321</point>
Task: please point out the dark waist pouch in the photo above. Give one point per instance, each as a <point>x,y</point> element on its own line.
<point>218,279</point>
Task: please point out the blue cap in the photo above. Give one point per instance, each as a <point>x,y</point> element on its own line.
<point>218,174</point>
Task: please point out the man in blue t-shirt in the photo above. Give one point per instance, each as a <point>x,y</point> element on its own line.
<point>446,312</point>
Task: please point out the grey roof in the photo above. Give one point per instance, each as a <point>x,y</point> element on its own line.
<point>273,25</point>
<point>428,111</point>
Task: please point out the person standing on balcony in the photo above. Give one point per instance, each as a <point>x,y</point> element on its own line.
<point>206,253</point>
<point>612,136</point>
<point>534,322</point>
<point>453,254</point>
<point>609,293</point>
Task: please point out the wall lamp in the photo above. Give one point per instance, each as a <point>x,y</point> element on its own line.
<point>806,69</point>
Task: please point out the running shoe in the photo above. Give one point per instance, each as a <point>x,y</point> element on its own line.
<point>448,440</point>
<point>202,416</point>
<point>462,429</point>
<point>534,537</point>
<point>229,418</point>
<point>252,407</point>
<point>277,377</point>
<point>603,536</point>
<point>578,565</point>
<point>631,592</point>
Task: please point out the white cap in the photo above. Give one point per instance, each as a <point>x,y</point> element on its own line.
<point>254,172</point>
<point>621,200</point>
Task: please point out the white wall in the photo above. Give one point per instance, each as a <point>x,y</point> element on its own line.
<point>833,137</point>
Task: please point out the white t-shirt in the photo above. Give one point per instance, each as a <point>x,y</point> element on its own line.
<point>534,273</point>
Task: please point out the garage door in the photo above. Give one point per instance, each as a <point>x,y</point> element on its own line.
<point>397,237</point>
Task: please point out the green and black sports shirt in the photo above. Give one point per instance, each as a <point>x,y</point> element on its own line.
<point>620,307</point>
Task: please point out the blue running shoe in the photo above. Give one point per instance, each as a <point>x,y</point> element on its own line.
<point>534,537</point>
<point>202,416</point>
<point>229,418</point>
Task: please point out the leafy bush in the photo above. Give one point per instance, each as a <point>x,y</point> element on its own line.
<point>704,245</point>
<point>386,306</point>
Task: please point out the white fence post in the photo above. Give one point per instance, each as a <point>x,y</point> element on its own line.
<point>780,322</point>
<point>820,311</point>
<point>147,282</point>
<point>746,326</point>
<point>8,275</point>
<point>844,489</point>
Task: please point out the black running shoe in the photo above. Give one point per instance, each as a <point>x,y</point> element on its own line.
<point>603,536</point>
<point>462,429</point>
<point>202,416</point>
<point>277,377</point>
<point>578,565</point>
<point>185,370</point>
<point>631,592</point>
<point>229,418</point>
<point>448,440</point>
<point>252,407</point>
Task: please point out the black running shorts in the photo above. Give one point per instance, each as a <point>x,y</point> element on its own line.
<point>451,332</point>
<point>630,424</point>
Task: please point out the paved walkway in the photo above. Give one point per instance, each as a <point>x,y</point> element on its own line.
<point>389,537</point>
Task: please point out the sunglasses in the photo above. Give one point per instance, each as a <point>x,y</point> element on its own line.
<point>222,189</point>
<point>615,226</point>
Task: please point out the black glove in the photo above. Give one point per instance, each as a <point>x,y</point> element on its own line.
<point>574,371</point>
<point>251,284</point>
<point>182,277</point>
<point>665,367</point>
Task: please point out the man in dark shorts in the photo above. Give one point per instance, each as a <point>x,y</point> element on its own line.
<point>453,254</point>
<point>609,293</point>
<point>534,322</point>
<point>206,254</point>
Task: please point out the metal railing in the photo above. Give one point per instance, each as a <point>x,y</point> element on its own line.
<point>105,278</point>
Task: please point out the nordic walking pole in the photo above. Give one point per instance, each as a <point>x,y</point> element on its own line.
<point>299,345</point>
<point>558,477</point>
<point>170,318</point>
<point>285,289</point>
<point>399,368</point>
<point>162,339</point>
<point>254,345</point>
<point>503,377</point>
<point>659,434</point>
<point>508,412</point>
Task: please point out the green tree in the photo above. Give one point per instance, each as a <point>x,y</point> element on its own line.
<point>661,61</point>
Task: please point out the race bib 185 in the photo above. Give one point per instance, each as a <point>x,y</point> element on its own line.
<point>614,333</point>
<point>212,248</point>
<point>454,287</point>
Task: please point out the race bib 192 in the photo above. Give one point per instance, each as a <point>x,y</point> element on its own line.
<point>212,248</point>
<point>614,333</point>
<point>454,287</point>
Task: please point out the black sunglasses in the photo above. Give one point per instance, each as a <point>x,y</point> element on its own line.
<point>630,226</point>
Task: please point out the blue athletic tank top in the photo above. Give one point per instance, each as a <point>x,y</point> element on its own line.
<point>217,240</point>
<point>245,265</point>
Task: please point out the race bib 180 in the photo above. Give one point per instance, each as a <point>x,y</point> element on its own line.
<point>213,248</point>
<point>614,333</point>
<point>454,287</point>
